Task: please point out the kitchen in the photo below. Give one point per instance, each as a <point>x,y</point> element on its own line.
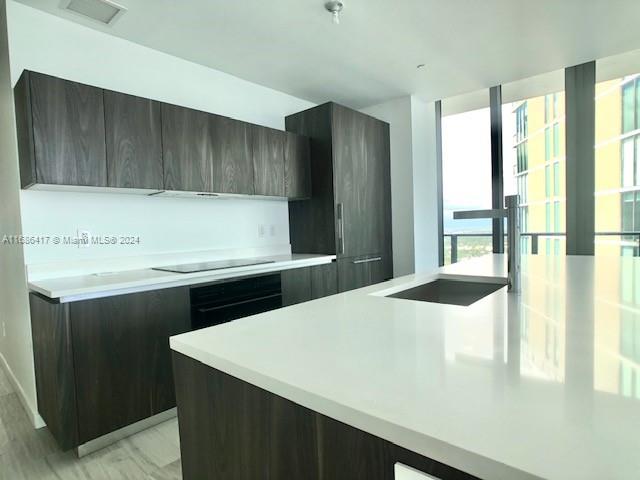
<point>201,267</point>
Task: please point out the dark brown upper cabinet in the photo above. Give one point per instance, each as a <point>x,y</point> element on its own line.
<point>187,149</point>
<point>268,161</point>
<point>134,141</point>
<point>232,156</point>
<point>204,152</point>
<point>297,167</point>
<point>78,135</point>
<point>61,132</point>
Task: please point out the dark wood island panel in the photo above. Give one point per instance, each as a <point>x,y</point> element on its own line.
<point>232,430</point>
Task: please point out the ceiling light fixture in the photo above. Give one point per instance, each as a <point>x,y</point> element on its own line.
<point>334,7</point>
<point>103,11</point>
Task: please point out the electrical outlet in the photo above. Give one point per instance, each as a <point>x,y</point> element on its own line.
<point>272,230</point>
<point>261,231</point>
<point>4,329</point>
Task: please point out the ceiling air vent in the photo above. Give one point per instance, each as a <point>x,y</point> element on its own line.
<point>102,11</point>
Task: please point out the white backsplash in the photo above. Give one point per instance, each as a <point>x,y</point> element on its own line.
<point>177,228</point>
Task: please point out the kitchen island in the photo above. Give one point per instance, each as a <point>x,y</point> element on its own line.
<point>544,384</point>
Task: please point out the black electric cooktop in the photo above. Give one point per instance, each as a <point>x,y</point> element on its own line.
<point>217,265</point>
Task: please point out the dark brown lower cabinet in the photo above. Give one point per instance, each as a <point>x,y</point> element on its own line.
<point>308,283</point>
<point>324,280</point>
<point>104,364</point>
<point>296,286</point>
<point>232,430</point>
<point>358,272</point>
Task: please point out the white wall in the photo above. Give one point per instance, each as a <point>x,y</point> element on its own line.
<point>16,355</point>
<point>41,42</point>
<point>163,225</point>
<point>398,114</point>
<point>413,183</point>
<point>44,43</point>
<point>425,185</point>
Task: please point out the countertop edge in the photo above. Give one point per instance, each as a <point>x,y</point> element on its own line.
<point>430,447</point>
<point>177,280</point>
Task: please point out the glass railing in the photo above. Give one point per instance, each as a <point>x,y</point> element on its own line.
<point>460,246</point>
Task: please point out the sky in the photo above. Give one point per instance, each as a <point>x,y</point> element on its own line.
<point>466,165</point>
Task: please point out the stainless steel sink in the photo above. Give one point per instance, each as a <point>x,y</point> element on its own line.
<point>451,292</point>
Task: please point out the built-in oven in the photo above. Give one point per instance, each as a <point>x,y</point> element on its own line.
<point>233,299</point>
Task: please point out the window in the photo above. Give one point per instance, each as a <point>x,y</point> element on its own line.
<point>548,116</point>
<point>522,157</point>
<point>522,122</point>
<point>547,144</point>
<point>466,181</point>
<point>617,153</point>
<point>533,157</point>
<point>631,105</point>
<point>631,211</point>
<point>522,188</point>
<point>547,180</point>
<point>547,216</point>
<point>630,157</point>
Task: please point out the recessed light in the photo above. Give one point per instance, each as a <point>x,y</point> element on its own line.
<point>103,11</point>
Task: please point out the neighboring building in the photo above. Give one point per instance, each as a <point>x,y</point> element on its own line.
<point>617,175</point>
<point>540,169</point>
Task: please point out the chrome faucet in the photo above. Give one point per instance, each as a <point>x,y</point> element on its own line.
<point>513,235</point>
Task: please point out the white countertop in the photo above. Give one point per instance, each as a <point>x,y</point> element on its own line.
<point>537,385</point>
<point>83,287</point>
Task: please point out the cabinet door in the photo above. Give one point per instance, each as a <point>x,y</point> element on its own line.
<point>351,177</point>
<point>268,161</point>
<point>345,452</point>
<point>134,143</point>
<point>352,274</point>
<point>68,132</point>
<point>122,357</point>
<point>187,149</point>
<point>297,166</point>
<point>358,272</point>
<point>324,280</point>
<point>381,268</point>
<point>296,286</point>
<point>362,183</point>
<point>378,225</point>
<point>232,156</point>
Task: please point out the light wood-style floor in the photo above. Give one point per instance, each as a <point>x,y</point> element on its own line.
<point>28,454</point>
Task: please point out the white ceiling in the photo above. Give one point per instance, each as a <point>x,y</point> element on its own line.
<point>292,45</point>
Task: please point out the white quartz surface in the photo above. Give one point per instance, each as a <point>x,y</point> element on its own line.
<point>82,287</point>
<point>545,384</point>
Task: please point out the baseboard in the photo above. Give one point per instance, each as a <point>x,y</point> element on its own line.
<point>31,410</point>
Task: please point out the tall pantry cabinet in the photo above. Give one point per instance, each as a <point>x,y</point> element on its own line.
<point>349,212</point>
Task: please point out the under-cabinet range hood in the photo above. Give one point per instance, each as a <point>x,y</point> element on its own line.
<point>148,192</point>
<point>211,195</point>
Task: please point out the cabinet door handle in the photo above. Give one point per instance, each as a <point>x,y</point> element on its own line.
<point>367,260</point>
<point>340,209</point>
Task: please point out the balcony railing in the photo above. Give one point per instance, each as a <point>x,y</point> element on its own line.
<point>632,241</point>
